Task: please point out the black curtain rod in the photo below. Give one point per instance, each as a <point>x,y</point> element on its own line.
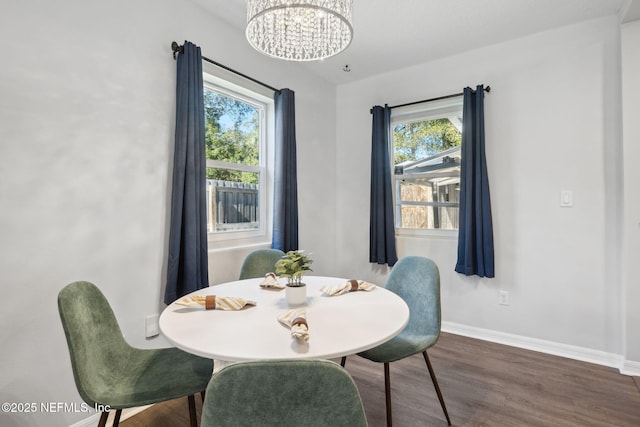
<point>176,48</point>
<point>486,89</point>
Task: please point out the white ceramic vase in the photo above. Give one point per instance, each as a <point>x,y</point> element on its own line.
<point>296,295</point>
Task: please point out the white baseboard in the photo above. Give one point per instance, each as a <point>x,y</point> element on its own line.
<point>92,421</point>
<point>557,349</point>
<point>630,367</point>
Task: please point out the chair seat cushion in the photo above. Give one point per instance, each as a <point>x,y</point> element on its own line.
<point>149,376</point>
<point>399,347</point>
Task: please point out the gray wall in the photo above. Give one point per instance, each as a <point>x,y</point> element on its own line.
<point>631,239</point>
<point>552,124</point>
<point>86,137</point>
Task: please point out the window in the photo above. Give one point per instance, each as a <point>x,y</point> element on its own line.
<point>427,142</point>
<point>237,126</point>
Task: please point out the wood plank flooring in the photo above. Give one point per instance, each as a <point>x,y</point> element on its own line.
<point>483,384</point>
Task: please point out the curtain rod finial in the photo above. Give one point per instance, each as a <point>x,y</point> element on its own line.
<point>175,47</point>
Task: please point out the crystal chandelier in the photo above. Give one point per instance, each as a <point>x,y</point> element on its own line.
<point>299,30</point>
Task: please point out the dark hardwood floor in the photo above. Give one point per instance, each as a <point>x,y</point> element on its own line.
<point>483,384</point>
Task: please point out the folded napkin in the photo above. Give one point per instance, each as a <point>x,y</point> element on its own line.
<point>296,319</point>
<point>348,286</point>
<point>212,302</point>
<point>271,282</point>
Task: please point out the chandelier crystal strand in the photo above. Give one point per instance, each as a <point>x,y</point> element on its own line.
<point>299,30</point>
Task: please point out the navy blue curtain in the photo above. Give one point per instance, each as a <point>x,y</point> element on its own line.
<point>187,264</point>
<point>475,234</point>
<point>285,209</point>
<point>382,241</point>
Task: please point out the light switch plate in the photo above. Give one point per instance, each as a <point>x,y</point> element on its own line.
<point>566,198</point>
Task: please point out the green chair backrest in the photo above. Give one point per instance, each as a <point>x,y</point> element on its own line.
<point>260,262</point>
<point>94,337</point>
<point>283,393</point>
<point>417,281</point>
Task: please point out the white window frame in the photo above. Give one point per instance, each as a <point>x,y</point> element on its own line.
<point>234,86</point>
<point>411,113</point>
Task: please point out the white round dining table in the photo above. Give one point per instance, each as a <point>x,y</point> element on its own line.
<point>338,325</point>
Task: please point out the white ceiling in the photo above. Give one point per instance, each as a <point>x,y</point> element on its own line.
<point>390,35</point>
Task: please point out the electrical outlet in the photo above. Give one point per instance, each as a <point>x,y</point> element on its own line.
<point>503,298</point>
<point>152,328</point>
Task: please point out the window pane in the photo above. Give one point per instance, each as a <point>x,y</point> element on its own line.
<point>233,203</point>
<point>430,203</point>
<point>233,132</point>
<point>232,129</point>
<point>438,190</point>
<point>420,140</point>
<point>427,156</point>
<point>430,217</point>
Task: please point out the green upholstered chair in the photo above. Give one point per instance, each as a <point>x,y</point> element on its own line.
<point>260,262</point>
<point>417,281</point>
<point>283,393</point>
<point>111,373</point>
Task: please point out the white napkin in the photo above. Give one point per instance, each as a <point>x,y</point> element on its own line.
<point>270,282</point>
<point>212,302</point>
<point>296,319</point>
<point>348,286</point>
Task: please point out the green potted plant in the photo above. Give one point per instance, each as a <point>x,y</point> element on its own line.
<point>293,265</point>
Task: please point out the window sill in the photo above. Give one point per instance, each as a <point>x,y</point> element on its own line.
<point>238,240</point>
<point>235,246</point>
<point>427,234</point>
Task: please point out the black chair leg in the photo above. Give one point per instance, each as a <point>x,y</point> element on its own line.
<point>116,420</point>
<point>103,419</point>
<point>387,392</point>
<point>192,410</point>
<point>435,384</point>
<point>343,361</point>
